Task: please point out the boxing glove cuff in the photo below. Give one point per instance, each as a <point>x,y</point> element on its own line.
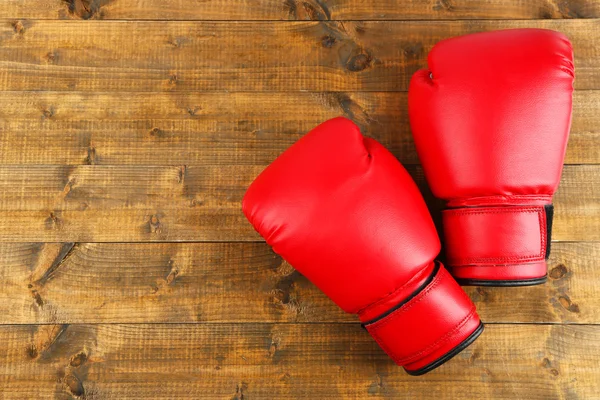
<point>429,327</point>
<point>497,246</point>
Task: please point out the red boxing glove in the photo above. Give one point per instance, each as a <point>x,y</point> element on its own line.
<point>490,119</point>
<point>342,210</point>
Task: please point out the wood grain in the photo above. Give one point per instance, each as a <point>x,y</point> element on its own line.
<point>179,203</point>
<point>299,361</point>
<point>298,9</point>
<point>238,282</point>
<point>214,128</point>
<point>244,56</point>
<point>129,131</point>
<point>573,220</point>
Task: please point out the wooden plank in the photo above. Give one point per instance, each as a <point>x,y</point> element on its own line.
<point>126,225</point>
<point>238,282</point>
<point>297,9</point>
<point>120,188</point>
<point>190,128</point>
<point>215,128</point>
<point>573,219</point>
<point>150,203</point>
<point>240,56</point>
<point>266,361</point>
<point>565,298</point>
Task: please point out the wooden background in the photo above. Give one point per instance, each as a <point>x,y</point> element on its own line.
<point>129,130</point>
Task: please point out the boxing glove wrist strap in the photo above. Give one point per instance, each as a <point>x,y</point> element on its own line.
<point>409,333</point>
<point>497,235</point>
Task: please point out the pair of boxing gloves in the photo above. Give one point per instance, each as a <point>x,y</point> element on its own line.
<point>490,120</point>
